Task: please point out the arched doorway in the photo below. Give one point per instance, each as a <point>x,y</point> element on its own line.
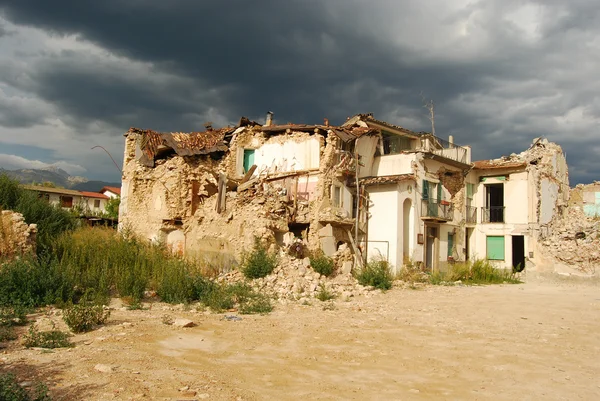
<point>408,229</point>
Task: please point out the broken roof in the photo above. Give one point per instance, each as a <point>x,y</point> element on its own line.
<point>388,179</point>
<point>498,164</point>
<point>369,119</point>
<point>184,144</point>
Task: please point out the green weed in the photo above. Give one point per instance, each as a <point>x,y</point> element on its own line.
<point>324,294</point>
<point>478,272</point>
<point>10,390</point>
<point>258,263</point>
<point>377,274</point>
<point>322,264</point>
<point>81,318</point>
<point>46,339</point>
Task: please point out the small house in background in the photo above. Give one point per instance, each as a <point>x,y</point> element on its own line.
<point>587,198</point>
<point>87,203</point>
<point>111,192</point>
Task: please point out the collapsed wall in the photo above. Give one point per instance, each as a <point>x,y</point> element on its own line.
<point>193,193</point>
<point>16,236</point>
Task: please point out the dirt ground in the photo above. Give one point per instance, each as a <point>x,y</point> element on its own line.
<point>526,342</point>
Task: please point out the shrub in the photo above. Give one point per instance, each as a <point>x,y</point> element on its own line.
<point>46,339</point>
<point>11,391</point>
<point>81,318</point>
<point>324,294</point>
<point>31,282</point>
<point>260,304</point>
<point>7,333</point>
<point>322,264</point>
<point>258,263</point>
<point>377,274</point>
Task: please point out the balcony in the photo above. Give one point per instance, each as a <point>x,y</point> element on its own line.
<point>492,214</point>
<point>433,209</point>
<point>440,147</point>
<point>471,216</point>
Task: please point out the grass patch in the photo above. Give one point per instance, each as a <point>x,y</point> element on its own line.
<point>258,263</point>
<point>10,390</point>
<point>322,264</point>
<point>376,274</point>
<point>480,271</point>
<point>46,339</point>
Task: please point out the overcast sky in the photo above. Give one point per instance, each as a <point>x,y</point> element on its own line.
<point>75,74</point>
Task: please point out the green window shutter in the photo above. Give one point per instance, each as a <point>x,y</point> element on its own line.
<point>425,190</point>
<point>450,243</point>
<point>440,192</point>
<point>470,188</point>
<point>495,247</point>
<point>248,159</point>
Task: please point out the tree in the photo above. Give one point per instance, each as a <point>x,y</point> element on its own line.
<point>112,208</point>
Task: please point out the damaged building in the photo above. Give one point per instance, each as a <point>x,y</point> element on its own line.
<point>366,186</point>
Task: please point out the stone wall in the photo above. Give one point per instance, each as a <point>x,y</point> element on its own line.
<point>16,236</point>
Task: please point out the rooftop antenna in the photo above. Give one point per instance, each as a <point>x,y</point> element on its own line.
<point>429,105</point>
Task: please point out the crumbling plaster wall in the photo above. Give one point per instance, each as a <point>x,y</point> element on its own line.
<point>175,201</point>
<point>16,236</point>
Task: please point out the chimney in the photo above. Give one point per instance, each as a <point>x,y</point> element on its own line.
<point>269,120</point>
<point>451,141</point>
<point>326,122</point>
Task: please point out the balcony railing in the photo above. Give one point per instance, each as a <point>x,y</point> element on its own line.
<point>471,217</point>
<point>437,210</point>
<point>441,147</point>
<point>493,214</point>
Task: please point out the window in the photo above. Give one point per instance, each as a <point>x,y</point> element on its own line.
<point>66,201</point>
<point>494,203</point>
<point>495,247</point>
<point>336,195</point>
<point>248,159</point>
<point>393,143</point>
<point>450,243</point>
<point>97,203</point>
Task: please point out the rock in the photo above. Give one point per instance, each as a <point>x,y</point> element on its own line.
<point>103,368</point>
<point>347,267</point>
<point>203,396</point>
<point>306,262</point>
<point>183,323</point>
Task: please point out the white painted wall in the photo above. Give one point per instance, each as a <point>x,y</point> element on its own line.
<point>393,164</point>
<point>284,157</point>
<point>383,211</point>
<point>549,195</point>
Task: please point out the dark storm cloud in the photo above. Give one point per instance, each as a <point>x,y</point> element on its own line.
<point>495,88</point>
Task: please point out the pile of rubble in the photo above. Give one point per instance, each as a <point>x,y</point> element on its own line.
<point>575,240</point>
<point>16,236</point>
<point>294,280</point>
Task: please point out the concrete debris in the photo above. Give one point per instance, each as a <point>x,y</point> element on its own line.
<point>180,322</point>
<point>292,280</point>
<point>103,368</point>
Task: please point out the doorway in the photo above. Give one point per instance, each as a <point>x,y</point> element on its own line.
<point>468,235</point>
<point>494,203</point>
<point>431,247</point>
<point>518,253</point>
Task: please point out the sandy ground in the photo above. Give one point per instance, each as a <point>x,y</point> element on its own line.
<point>525,342</point>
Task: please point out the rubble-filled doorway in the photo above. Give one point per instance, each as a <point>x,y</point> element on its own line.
<point>300,230</point>
<point>518,252</point>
